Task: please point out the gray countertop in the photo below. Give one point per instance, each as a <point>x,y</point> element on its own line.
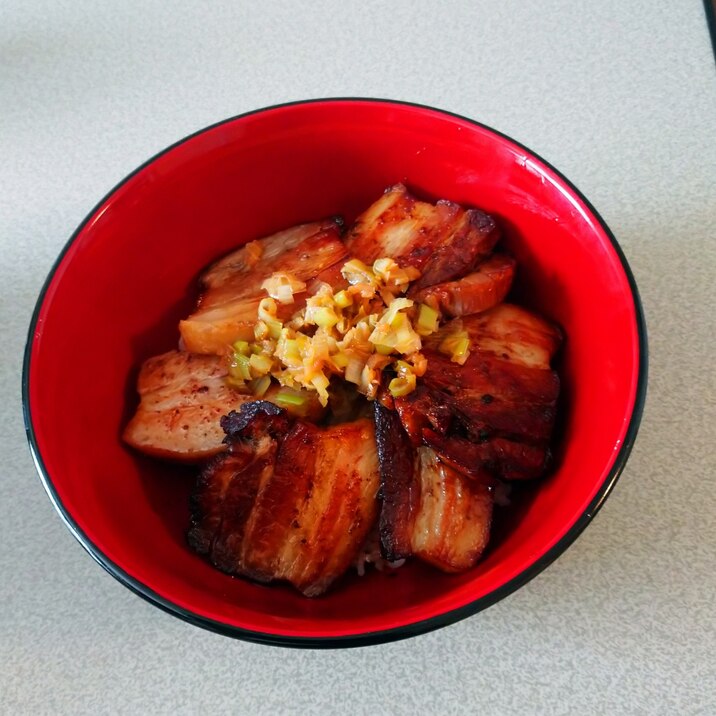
<point>621,96</point>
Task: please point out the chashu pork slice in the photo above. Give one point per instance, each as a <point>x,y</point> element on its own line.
<point>429,510</point>
<point>182,398</point>
<point>443,241</point>
<point>501,403</point>
<point>479,291</point>
<point>231,288</point>
<point>289,500</point>
<point>514,334</point>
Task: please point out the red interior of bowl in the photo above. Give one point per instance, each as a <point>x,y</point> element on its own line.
<point>129,275</point>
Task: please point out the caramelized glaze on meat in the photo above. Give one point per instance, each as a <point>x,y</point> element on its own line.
<point>443,241</point>
<point>502,400</point>
<point>480,290</point>
<point>452,524</point>
<point>182,398</point>
<point>397,484</point>
<point>231,288</point>
<point>424,408</point>
<point>429,510</point>
<point>510,459</point>
<point>289,501</point>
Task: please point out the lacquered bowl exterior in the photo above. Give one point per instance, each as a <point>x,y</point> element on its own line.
<point>128,274</point>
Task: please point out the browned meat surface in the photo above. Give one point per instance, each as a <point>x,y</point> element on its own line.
<point>424,408</point>
<point>231,288</point>
<point>443,241</point>
<point>478,291</point>
<point>227,487</point>
<point>288,501</point>
<point>182,397</point>
<point>510,459</point>
<point>514,334</point>
<point>492,394</point>
<point>428,510</point>
<point>502,401</point>
<point>397,480</point>
<point>452,524</point>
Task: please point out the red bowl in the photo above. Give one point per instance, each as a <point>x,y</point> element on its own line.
<point>129,273</point>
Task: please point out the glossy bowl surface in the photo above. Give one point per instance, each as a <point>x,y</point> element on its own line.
<point>128,275</point>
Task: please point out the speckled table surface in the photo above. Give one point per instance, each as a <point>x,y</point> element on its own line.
<point>622,98</point>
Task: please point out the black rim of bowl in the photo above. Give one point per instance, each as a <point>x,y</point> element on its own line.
<point>394,633</point>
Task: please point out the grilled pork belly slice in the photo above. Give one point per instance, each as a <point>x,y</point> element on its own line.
<point>452,525</point>
<point>443,241</point>
<point>489,395</point>
<point>428,510</point>
<point>231,288</point>
<point>397,480</point>
<point>510,459</point>
<point>289,501</point>
<point>182,397</point>
<point>514,334</point>
<point>227,487</point>
<point>502,401</point>
<point>480,290</point>
<point>506,388</point>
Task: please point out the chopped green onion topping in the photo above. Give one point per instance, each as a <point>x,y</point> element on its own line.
<point>288,396</point>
